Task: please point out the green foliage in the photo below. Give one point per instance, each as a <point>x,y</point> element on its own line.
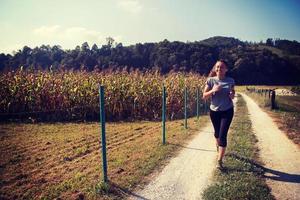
<point>274,62</point>
<point>291,47</point>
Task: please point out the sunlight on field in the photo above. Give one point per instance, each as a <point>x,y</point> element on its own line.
<point>51,160</point>
<point>242,88</point>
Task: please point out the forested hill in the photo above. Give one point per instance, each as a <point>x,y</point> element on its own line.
<point>270,62</point>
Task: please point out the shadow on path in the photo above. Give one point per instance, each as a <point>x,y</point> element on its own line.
<point>259,169</point>
<point>124,193</point>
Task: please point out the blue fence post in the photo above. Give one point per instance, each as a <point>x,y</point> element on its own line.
<point>103,138</point>
<point>185,108</point>
<point>164,115</point>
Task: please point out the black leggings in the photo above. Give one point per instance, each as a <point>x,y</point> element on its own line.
<point>221,121</point>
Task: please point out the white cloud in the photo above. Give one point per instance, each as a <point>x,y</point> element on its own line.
<point>67,37</point>
<point>131,6</point>
<point>84,34</point>
<point>47,31</point>
<point>71,36</point>
<point>56,32</point>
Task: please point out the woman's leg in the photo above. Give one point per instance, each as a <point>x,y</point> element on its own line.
<point>224,126</point>
<point>221,153</point>
<point>216,121</point>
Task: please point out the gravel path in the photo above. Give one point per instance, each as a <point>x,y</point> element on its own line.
<point>280,155</point>
<point>188,174</point>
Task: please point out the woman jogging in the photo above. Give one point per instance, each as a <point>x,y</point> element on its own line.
<point>221,90</point>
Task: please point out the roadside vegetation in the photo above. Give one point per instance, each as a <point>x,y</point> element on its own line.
<point>287,112</point>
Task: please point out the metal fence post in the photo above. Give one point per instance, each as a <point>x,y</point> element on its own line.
<point>103,138</point>
<point>164,115</point>
<point>185,108</point>
<point>273,103</point>
<point>197,103</point>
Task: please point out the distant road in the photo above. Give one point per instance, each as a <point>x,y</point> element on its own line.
<point>280,155</point>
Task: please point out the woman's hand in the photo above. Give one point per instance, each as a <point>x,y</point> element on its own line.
<point>216,88</point>
<point>209,92</point>
<point>232,94</point>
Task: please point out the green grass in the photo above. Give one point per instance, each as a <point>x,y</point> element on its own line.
<point>242,175</point>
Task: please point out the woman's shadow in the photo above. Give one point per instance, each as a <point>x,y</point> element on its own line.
<point>261,170</point>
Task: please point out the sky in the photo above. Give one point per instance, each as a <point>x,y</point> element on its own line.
<point>71,22</point>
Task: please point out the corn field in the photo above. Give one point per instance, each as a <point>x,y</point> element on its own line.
<point>74,95</point>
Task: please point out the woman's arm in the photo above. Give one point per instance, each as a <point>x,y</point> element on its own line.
<point>208,93</point>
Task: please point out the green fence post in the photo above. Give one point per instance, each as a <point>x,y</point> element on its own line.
<point>164,115</point>
<point>197,103</point>
<point>185,108</point>
<point>103,138</point>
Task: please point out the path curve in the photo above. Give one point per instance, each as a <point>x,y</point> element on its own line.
<point>188,174</point>
<point>280,155</point>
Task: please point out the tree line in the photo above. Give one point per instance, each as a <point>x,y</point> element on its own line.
<point>274,61</point>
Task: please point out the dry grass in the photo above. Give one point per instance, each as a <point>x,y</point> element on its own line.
<point>287,115</point>
<point>289,123</point>
<point>242,88</point>
<point>46,161</point>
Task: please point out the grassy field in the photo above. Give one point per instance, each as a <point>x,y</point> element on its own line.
<point>289,103</point>
<point>242,88</point>
<point>63,160</point>
<point>287,114</point>
<point>242,176</point>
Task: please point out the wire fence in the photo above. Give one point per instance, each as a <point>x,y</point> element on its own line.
<point>268,96</point>
<point>174,110</point>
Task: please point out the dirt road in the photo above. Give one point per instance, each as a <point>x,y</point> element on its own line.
<point>188,174</point>
<point>281,156</point>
